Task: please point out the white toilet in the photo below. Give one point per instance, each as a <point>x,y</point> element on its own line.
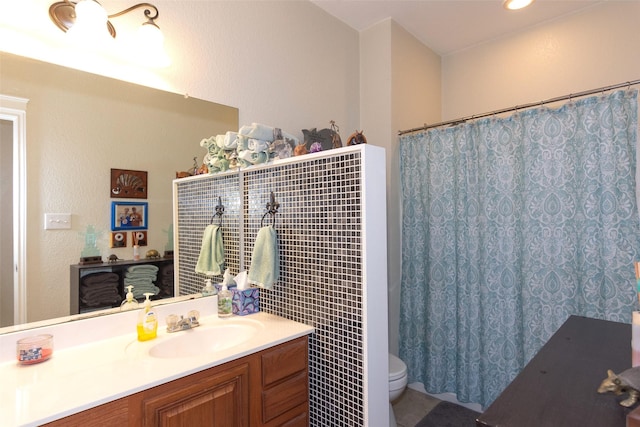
<point>397,383</point>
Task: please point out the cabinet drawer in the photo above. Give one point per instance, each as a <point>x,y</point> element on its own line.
<point>283,361</point>
<point>284,396</point>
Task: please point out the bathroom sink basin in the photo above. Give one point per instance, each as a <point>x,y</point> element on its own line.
<point>204,339</point>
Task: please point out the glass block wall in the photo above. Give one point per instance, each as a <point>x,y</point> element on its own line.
<point>320,225</point>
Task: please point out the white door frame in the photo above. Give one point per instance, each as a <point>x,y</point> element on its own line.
<point>14,109</point>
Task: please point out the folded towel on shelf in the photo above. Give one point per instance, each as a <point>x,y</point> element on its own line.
<point>253,158</point>
<point>138,281</point>
<point>211,258</point>
<point>101,300</point>
<point>265,259</point>
<point>142,278</point>
<point>257,131</point>
<point>101,277</point>
<point>228,141</point>
<point>140,287</point>
<point>146,268</point>
<point>216,163</point>
<point>140,275</point>
<point>258,145</point>
<point>140,291</point>
<point>104,287</point>
<point>100,294</point>
<point>266,133</point>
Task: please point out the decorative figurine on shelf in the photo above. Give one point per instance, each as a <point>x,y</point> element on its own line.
<point>190,172</point>
<point>320,140</point>
<point>113,258</point>
<point>357,138</point>
<point>336,142</point>
<point>625,382</point>
<point>300,149</point>
<point>152,254</point>
<point>90,253</point>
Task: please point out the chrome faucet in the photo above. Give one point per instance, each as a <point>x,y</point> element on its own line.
<point>183,323</point>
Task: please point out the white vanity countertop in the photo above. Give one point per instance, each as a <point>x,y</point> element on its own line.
<point>83,376</point>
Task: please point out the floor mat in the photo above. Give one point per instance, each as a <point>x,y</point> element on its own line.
<point>447,414</point>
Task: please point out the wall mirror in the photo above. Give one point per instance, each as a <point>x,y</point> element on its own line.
<point>78,127</point>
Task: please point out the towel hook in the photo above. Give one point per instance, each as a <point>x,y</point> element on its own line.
<point>272,209</point>
<point>219,211</point>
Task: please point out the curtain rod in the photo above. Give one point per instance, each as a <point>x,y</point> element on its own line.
<point>522,107</point>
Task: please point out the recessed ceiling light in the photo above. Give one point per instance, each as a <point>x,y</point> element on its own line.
<point>516,4</point>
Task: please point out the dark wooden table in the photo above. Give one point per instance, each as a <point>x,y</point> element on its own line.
<point>558,387</point>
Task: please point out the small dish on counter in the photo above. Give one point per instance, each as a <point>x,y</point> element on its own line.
<point>34,349</point>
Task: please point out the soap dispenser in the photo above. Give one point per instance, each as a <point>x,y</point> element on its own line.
<point>147,321</point>
<point>129,303</point>
<point>224,302</point>
<point>208,289</point>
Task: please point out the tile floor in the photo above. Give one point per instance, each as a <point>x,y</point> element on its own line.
<point>412,406</point>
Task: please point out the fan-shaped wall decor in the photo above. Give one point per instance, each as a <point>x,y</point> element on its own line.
<point>128,184</point>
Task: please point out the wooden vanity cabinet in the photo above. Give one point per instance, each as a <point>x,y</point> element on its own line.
<point>285,385</point>
<point>268,388</point>
<point>214,399</point>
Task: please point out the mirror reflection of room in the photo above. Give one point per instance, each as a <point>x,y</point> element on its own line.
<point>80,126</point>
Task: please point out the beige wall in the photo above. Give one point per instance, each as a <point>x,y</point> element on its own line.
<point>587,50</point>
<point>284,63</point>
<point>399,86</point>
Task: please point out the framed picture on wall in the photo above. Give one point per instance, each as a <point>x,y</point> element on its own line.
<point>118,239</point>
<point>128,184</point>
<point>129,216</point>
<point>139,237</point>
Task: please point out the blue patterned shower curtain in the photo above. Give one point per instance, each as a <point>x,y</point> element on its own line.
<point>509,226</point>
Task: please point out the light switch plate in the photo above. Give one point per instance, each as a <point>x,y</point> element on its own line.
<point>57,221</point>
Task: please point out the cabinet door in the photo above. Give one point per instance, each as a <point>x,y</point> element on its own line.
<point>114,413</point>
<point>219,400</point>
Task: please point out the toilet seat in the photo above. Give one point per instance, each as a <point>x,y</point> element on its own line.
<point>397,368</point>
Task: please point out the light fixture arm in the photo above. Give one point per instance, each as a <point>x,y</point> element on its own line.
<point>88,25</point>
<point>62,13</point>
<point>147,12</point>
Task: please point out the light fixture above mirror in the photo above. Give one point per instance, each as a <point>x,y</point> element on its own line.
<point>88,22</point>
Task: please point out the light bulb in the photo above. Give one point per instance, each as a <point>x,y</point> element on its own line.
<point>90,12</point>
<point>516,4</point>
<point>150,46</point>
<point>90,26</point>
